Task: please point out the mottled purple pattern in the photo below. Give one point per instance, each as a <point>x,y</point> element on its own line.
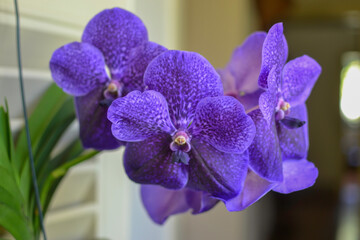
<point>200,201</point>
<point>223,123</point>
<point>273,53</point>
<point>160,203</point>
<point>184,78</point>
<point>95,128</point>
<point>265,155</point>
<point>245,63</point>
<point>138,116</point>
<point>269,99</point>
<point>115,32</point>
<point>150,162</point>
<point>298,175</point>
<point>294,143</point>
<point>220,174</point>
<point>299,77</point>
<point>140,57</point>
<point>255,187</point>
<point>78,68</point>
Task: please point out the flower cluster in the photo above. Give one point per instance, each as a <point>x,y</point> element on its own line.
<point>194,136</point>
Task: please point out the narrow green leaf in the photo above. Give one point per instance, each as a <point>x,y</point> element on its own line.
<point>46,108</point>
<point>14,223</point>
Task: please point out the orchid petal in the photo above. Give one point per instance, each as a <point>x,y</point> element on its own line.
<point>265,155</point>
<point>115,32</point>
<point>294,143</point>
<point>299,77</point>
<point>255,188</point>
<point>273,54</point>
<point>220,174</point>
<point>298,175</point>
<point>95,128</point>
<point>78,68</point>
<point>184,78</point>
<point>138,116</point>
<point>160,203</point>
<point>150,162</point>
<point>223,123</point>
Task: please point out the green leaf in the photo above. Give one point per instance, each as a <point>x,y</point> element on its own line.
<point>14,223</point>
<point>46,108</point>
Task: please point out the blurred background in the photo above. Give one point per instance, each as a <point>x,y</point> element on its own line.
<point>97,201</point>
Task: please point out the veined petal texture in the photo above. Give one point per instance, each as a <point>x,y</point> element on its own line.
<point>138,116</point>
<point>273,54</point>
<point>299,77</point>
<point>78,68</point>
<point>223,123</point>
<point>115,32</point>
<point>183,78</point>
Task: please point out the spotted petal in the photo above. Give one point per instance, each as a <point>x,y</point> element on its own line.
<point>294,143</point>
<point>150,162</point>
<point>160,203</point>
<point>298,175</point>
<point>78,68</point>
<point>220,174</point>
<point>138,116</point>
<point>223,123</point>
<point>115,32</point>
<point>95,128</point>
<point>184,78</point>
<point>269,99</point>
<point>139,59</point>
<point>265,155</point>
<point>255,188</point>
<point>245,63</point>
<point>273,53</point>
<point>299,77</point>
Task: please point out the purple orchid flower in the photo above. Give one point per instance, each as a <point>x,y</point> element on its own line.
<point>118,40</point>
<point>274,95</point>
<point>182,132</point>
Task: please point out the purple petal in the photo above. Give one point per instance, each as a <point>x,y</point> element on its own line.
<point>200,201</point>
<point>78,68</point>
<point>139,59</point>
<point>150,162</point>
<point>138,116</point>
<point>220,174</point>
<point>160,203</point>
<point>95,128</point>
<point>251,101</point>
<point>265,155</point>
<point>115,32</point>
<point>299,77</point>
<point>245,63</point>
<point>184,78</point>
<point>298,175</point>
<point>294,143</point>
<point>223,123</point>
<point>255,188</point>
<point>269,99</point>
<point>228,82</point>
<point>273,53</point>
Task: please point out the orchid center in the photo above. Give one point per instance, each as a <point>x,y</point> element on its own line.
<point>112,91</point>
<point>180,146</point>
<point>282,110</point>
